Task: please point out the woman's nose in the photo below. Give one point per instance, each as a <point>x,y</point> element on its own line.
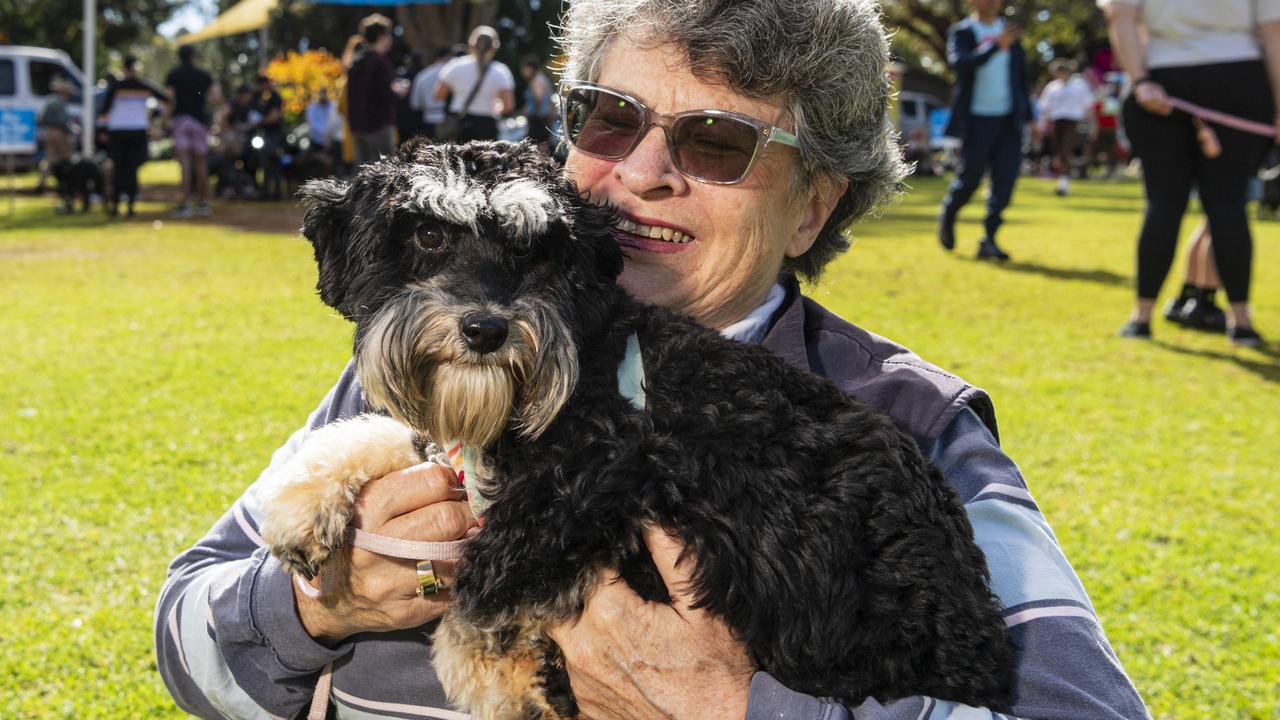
<point>649,169</point>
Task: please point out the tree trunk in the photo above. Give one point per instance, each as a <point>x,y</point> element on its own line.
<point>429,27</point>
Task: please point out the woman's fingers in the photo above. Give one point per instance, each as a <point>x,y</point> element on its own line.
<point>403,491</point>
<point>666,550</point>
<point>441,521</point>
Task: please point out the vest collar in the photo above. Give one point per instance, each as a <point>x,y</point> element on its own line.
<point>786,331</point>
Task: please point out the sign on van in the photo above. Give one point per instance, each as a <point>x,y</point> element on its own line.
<point>17,131</point>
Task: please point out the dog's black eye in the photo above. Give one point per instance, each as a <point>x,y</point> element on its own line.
<point>429,237</point>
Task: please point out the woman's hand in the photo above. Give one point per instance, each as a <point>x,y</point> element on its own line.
<point>1011,33</point>
<point>628,658</point>
<point>1152,97</point>
<point>367,592</point>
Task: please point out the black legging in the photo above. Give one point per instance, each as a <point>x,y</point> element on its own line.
<point>128,151</point>
<point>1172,163</point>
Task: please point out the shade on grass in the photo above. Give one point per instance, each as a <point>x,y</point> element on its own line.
<point>151,369</point>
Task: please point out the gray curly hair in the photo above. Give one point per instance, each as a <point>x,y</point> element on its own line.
<point>826,60</point>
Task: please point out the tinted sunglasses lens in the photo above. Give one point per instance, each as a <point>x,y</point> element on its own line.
<point>714,148</point>
<point>601,123</point>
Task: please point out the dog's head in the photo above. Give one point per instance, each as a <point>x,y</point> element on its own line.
<point>472,273</point>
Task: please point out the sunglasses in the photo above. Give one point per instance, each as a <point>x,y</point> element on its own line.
<point>710,146</point>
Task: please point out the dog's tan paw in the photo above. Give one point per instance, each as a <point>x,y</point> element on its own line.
<point>488,681</point>
<point>307,505</point>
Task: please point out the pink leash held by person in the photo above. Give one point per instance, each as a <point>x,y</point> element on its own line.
<point>1209,144</point>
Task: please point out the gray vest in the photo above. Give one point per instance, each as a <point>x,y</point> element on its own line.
<point>921,398</point>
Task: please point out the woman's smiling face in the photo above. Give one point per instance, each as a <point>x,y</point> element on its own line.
<point>708,251</point>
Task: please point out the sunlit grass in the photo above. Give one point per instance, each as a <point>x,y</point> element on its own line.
<point>152,368</point>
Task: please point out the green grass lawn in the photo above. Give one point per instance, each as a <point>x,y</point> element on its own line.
<point>153,365</point>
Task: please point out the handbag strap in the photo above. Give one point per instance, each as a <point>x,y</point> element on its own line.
<point>475,89</point>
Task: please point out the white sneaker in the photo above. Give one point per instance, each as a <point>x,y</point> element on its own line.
<point>1064,186</point>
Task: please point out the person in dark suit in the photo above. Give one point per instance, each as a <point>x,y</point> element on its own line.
<point>990,108</point>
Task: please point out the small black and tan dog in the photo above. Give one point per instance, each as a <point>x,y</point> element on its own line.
<point>483,292</point>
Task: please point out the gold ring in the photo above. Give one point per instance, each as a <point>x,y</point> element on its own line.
<point>427,582</point>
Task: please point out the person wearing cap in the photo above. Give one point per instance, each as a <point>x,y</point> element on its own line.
<point>55,121</point>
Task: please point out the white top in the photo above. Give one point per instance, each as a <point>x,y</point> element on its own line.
<point>1066,100</point>
<point>1202,32</point>
<point>753,327</point>
<point>422,96</point>
<point>460,75</point>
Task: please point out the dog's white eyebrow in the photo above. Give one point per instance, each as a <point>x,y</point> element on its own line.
<point>523,206</point>
<point>448,195</point>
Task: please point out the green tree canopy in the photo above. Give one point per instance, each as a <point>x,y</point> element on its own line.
<point>1051,29</point>
<point>123,26</point>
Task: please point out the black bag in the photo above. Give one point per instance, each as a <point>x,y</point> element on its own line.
<point>450,128</point>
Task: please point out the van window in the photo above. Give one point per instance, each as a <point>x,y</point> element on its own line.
<point>6,78</point>
<point>42,74</point>
<point>909,109</point>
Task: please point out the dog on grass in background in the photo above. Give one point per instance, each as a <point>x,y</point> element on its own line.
<point>79,178</point>
<point>483,292</point>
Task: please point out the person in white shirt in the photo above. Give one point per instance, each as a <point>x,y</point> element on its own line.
<point>1223,55</point>
<point>1065,102</point>
<point>422,95</point>
<point>323,121</point>
<point>486,82</point>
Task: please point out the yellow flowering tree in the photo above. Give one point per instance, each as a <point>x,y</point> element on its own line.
<point>300,76</point>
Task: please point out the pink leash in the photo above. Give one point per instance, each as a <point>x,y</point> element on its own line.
<point>1221,118</point>
<point>408,549</point>
<point>391,547</point>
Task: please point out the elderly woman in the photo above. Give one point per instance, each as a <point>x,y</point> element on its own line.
<point>756,131</point>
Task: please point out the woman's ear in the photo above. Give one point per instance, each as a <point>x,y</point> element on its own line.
<point>819,201</point>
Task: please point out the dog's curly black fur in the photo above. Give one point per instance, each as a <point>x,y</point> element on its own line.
<point>79,178</point>
<point>821,535</point>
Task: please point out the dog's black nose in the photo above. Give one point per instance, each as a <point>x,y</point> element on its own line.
<point>484,333</point>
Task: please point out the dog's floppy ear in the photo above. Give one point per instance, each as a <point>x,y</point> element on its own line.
<point>408,150</point>
<point>327,224</point>
<point>592,225</point>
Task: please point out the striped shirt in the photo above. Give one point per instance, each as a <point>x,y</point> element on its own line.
<point>230,644</point>
<point>125,104</point>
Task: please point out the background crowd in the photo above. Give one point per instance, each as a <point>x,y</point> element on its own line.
<point>1069,123</point>
<point>1198,116</point>
<point>243,147</point>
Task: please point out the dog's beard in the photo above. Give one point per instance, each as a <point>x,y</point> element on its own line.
<point>414,362</point>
